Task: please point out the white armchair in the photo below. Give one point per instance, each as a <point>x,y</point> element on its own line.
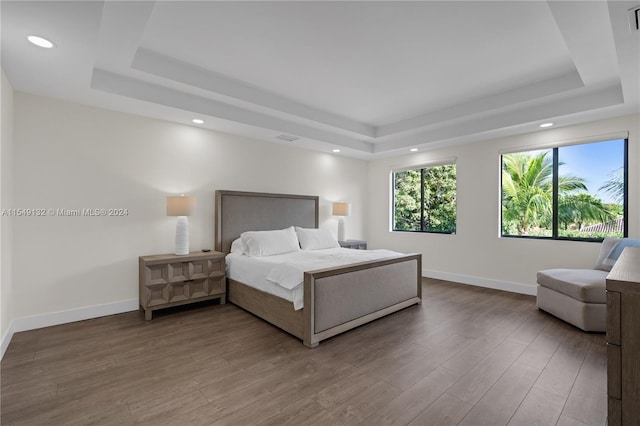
<point>578,296</point>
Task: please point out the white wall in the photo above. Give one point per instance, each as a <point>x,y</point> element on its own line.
<point>68,156</point>
<point>476,255</point>
<point>6,223</point>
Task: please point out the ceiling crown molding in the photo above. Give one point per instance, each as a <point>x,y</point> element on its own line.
<point>192,75</point>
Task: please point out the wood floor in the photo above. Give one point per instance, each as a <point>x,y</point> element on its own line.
<point>467,356</point>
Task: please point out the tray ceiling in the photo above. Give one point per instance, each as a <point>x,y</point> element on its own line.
<point>369,78</point>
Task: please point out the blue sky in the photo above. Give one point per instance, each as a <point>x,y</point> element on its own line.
<point>594,162</point>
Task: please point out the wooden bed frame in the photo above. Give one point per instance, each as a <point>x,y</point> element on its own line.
<point>336,299</point>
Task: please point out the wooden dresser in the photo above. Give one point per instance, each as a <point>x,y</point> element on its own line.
<point>170,280</point>
<point>623,339</point>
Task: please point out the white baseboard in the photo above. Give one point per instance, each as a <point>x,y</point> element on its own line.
<point>482,282</point>
<point>63,317</point>
<point>6,339</point>
<point>72,315</point>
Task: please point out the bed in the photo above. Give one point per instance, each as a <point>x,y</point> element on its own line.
<point>336,299</point>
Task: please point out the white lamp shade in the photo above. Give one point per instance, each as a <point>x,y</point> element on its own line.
<point>341,209</point>
<point>181,206</point>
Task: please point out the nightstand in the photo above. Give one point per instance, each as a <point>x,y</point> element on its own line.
<point>170,280</point>
<point>353,244</point>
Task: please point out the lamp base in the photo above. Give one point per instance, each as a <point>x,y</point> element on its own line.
<point>182,236</point>
<point>341,230</point>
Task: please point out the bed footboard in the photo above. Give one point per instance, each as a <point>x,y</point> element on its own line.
<point>339,299</point>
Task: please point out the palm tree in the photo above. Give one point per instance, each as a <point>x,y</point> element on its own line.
<point>526,195</point>
<point>527,191</point>
<point>615,185</point>
<point>582,208</point>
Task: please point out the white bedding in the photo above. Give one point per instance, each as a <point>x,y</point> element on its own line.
<point>282,275</point>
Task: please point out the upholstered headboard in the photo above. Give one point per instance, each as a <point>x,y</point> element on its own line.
<point>237,212</point>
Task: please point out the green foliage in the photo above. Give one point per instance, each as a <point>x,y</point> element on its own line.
<point>527,199</point>
<point>614,186</point>
<point>440,199</point>
<point>406,194</point>
<point>437,212</point>
<point>583,209</point>
<point>595,235</point>
<point>526,193</point>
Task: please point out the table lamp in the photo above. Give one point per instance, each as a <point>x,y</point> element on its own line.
<point>341,210</point>
<point>182,207</point>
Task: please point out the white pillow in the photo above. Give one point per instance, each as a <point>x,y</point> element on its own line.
<point>268,243</point>
<point>237,246</point>
<point>606,247</point>
<point>316,239</point>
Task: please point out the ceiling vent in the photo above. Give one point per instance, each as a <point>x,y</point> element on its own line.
<point>634,18</point>
<point>287,138</point>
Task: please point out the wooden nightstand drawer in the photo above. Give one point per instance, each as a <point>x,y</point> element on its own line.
<point>179,291</point>
<point>199,288</point>
<point>178,271</point>
<point>156,274</point>
<point>199,269</point>
<point>156,295</point>
<point>216,267</point>
<point>217,285</point>
<point>170,280</point>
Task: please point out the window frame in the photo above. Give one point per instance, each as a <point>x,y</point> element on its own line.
<point>422,167</point>
<point>554,148</point>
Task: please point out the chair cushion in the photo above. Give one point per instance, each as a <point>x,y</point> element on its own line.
<point>587,285</point>
<point>607,245</point>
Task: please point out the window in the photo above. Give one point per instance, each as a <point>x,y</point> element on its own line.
<point>424,200</point>
<point>576,192</point>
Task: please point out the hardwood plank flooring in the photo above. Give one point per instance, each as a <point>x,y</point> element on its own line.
<point>466,356</point>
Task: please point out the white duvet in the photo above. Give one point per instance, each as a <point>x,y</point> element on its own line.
<point>282,275</point>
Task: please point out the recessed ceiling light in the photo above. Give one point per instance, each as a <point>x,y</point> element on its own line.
<point>40,41</point>
<point>288,138</point>
<point>413,149</point>
<point>336,150</point>
<point>543,125</point>
<point>197,121</point>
